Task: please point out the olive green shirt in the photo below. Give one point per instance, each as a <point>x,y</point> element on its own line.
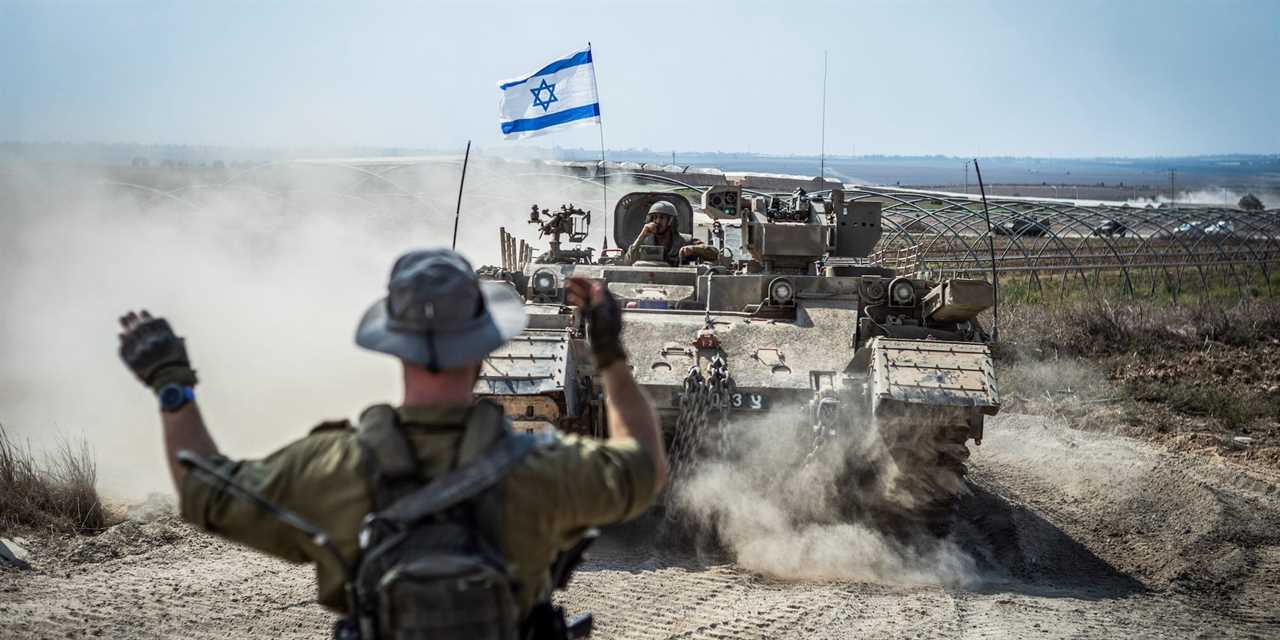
<point>550,498</point>
<point>670,242</point>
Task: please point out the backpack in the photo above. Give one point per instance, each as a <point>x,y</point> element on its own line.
<point>431,563</point>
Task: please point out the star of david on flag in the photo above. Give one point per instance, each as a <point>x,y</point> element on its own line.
<point>559,95</point>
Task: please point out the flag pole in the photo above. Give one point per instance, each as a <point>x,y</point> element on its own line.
<point>603,179</point>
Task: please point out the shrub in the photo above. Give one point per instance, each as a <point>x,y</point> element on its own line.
<point>1250,202</point>
<point>54,493</point>
<point>1102,327</point>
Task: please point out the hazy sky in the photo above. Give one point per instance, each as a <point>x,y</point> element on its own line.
<point>1075,78</point>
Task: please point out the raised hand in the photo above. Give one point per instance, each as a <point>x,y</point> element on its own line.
<point>153,352</point>
<point>604,319</point>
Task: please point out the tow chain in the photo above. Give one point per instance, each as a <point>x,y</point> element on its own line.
<point>703,411</point>
<point>825,411</point>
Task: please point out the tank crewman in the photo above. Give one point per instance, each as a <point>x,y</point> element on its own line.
<point>659,229</point>
<point>440,321</point>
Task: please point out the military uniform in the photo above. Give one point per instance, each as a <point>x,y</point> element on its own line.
<point>563,487</point>
<point>670,244</point>
<point>461,520</point>
<point>671,240</point>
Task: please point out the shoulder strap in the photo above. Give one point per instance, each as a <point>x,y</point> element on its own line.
<point>486,424</point>
<point>463,483</point>
<point>394,463</point>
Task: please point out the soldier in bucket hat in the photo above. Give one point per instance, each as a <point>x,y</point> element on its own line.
<point>440,321</point>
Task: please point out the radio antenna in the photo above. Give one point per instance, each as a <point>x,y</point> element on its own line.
<point>995,280</point>
<point>457,214</point>
<point>822,146</point>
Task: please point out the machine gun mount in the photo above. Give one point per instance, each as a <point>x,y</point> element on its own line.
<point>568,221</point>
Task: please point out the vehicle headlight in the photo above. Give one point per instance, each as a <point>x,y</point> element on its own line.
<point>902,293</point>
<point>781,291</point>
<point>544,284</point>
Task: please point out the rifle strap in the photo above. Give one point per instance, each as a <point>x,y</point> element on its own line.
<point>463,483</point>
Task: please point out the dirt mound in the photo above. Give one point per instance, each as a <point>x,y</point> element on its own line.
<point>128,538</point>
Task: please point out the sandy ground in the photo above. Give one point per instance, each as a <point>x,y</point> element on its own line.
<point>1074,534</point>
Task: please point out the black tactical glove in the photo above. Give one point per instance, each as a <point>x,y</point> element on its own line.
<point>604,330</point>
<point>150,349</point>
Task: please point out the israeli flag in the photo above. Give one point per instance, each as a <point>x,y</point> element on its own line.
<point>560,95</point>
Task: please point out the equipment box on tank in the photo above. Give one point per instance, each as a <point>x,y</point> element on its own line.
<point>957,300</point>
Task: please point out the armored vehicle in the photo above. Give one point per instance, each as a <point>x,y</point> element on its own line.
<point>785,317</point>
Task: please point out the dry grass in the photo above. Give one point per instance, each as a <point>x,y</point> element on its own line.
<point>1155,368</point>
<point>54,492</point>
<point>1102,327</point>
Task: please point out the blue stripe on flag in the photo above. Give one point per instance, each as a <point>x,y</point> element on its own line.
<point>581,57</point>
<point>542,122</point>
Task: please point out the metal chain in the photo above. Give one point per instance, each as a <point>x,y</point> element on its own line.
<point>704,406</point>
<point>824,415</point>
<point>819,439</point>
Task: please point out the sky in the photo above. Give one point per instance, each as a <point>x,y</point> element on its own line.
<point>1079,78</point>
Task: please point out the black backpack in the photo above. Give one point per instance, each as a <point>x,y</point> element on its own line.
<point>431,561</point>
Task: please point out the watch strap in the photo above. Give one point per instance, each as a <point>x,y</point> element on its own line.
<point>175,396</point>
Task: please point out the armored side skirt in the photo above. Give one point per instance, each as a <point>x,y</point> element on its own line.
<point>533,378</point>
<point>932,381</point>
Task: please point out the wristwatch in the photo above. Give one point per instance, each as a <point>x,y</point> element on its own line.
<point>174,396</point>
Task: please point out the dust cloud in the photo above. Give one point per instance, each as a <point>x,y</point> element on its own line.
<point>780,506</point>
<point>1062,394</point>
<point>1217,196</point>
<point>265,271</point>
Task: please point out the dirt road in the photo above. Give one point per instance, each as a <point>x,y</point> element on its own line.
<point>1080,535</point>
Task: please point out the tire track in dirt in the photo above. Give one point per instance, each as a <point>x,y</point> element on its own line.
<point>1076,535</point>
<point>198,588</point>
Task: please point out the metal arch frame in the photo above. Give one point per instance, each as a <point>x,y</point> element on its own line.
<point>159,193</point>
<point>1053,237</point>
<point>1166,233</point>
<point>930,214</point>
<point>1084,240</point>
<point>952,228</point>
<point>948,217</point>
<point>1260,260</point>
<point>1067,212</point>
<point>255,169</point>
<point>1145,242</point>
<point>279,195</point>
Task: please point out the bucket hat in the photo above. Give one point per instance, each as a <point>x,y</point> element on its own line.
<point>438,314</point>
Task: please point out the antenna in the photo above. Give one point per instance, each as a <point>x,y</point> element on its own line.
<point>995,280</point>
<point>822,146</point>
<point>604,177</point>
<point>457,214</point>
